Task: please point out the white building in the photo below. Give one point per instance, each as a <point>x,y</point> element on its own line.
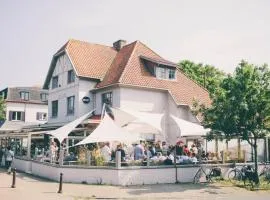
<point>24,106</point>
<point>82,76</point>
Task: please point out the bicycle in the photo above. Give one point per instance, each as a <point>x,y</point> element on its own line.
<point>210,173</point>
<point>246,172</point>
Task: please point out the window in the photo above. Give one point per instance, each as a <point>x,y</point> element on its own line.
<point>24,96</point>
<point>16,116</point>
<point>41,116</point>
<point>54,108</point>
<point>70,105</point>
<point>54,82</point>
<point>107,98</point>
<point>71,76</point>
<point>44,97</point>
<point>161,72</point>
<point>171,73</point>
<point>165,73</point>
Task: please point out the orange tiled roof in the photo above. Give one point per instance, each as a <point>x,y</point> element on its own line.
<point>128,69</point>
<point>90,60</point>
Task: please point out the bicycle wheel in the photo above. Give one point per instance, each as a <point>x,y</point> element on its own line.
<point>235,176</point>
<point>197,177</point>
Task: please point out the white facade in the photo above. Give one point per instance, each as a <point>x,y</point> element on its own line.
<point>29,109</point>
<point>79,89</point>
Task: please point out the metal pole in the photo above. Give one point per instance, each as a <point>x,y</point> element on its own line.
<point>176,174</point>
<point>60,183</point>
<point>14,179</point>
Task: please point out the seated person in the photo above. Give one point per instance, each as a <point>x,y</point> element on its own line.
<point>70,157</point>
<point>184,159</point>
<point>204,156</point>
<point>193,158</point>
<point>169,160</point>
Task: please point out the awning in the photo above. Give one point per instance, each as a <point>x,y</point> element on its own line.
<point>108,131</point>
<point>188,128</point>
<point>62,132</point>
<point>159,120</point>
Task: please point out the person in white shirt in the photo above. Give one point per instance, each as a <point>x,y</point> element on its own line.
<point>106,152</point>
<point>193,158</point>
<point>9,158</point>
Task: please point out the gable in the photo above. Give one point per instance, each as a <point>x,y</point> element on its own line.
<point>88,60</point>
<point>183,90</point>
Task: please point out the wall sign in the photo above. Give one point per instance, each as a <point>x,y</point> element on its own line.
<point>86,99</point>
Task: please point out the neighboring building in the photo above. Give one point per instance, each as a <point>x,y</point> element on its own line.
<point>82,76</point>
<point>24,106</point>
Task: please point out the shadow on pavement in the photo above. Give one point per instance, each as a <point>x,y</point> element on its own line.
<point>161,188</point>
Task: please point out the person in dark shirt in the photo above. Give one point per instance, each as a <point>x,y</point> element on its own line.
<point>123,154</point>
<point>179,148</point>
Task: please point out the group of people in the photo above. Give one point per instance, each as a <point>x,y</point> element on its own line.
<point>6,158</point>
<point>155,151</point>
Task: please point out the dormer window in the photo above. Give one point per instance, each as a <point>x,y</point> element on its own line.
<point>54,82</point>
<point>165,73</point>
<point>24,96</point>
<point>71,76</point>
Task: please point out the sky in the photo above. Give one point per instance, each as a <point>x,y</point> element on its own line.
<point>220,33</point>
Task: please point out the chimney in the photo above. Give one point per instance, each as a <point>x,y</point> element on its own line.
<point>119,44</point>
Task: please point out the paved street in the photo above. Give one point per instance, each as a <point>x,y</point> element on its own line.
<point>32,188</point>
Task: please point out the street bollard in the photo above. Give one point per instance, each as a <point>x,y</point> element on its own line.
<point>14,179</point>
<point>60,183</point>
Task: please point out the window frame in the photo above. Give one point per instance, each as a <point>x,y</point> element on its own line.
<point>70,105</point>
<point>55,84</point>
<point>169,73</point>
<point>25,95</point>
<point>16,116</point>
<point>54,106</point>
<point>46,97</point>
<point>110,97</point>
<point>165,73</point>
<point>41,116</point>
<point>71,76</point>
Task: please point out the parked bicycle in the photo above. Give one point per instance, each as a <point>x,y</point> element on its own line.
<point>265,172</point>
<point>207,174</point>
<point>244,174</point>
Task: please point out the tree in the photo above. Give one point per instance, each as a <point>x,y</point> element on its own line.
<point>2,109</point>
<point>208,76</point>
<point>241,106</point>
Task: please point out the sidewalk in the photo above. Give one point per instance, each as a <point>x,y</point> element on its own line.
<point>32,188</point>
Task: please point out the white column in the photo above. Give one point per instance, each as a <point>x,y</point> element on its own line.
<point>118,159</point>
<point>61,157</point>
<point>67,143</point>
<point>88,157</point>
<point>29,146</point>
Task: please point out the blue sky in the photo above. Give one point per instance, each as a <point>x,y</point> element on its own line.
<point>220,33</point>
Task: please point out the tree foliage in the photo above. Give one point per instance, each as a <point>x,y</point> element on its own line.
<point>206,75</point>
<point>2,109</point>
<point>241,106</point>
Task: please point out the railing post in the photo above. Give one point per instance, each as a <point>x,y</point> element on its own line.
<point>14,179</point>
<point>61,184</point>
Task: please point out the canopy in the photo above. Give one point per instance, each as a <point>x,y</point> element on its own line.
<point>188,128</point>
<point>62,132</point>
<point>107,130</point>
<point>174,124</point>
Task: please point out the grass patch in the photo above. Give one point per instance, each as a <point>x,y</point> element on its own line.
<point>264,185</point>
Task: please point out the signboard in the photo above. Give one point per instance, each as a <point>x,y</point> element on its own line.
<point>86,99</point>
